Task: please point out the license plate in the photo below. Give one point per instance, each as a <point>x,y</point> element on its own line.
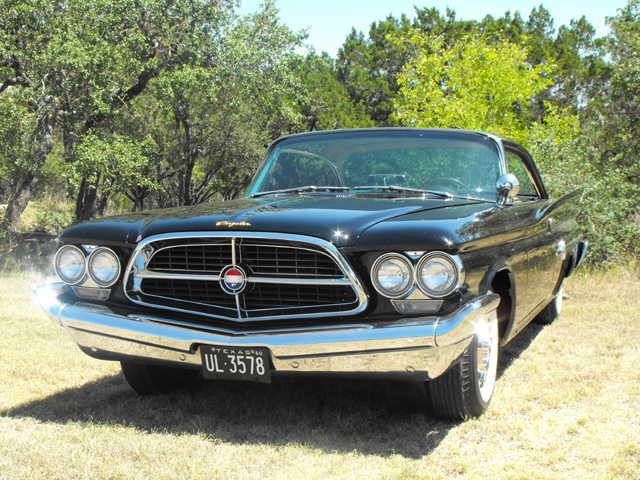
<point>236,363</point>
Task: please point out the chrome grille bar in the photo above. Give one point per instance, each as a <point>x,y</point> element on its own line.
<point>252,279</point>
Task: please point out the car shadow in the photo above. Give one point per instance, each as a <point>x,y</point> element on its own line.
<point>329,413</point>
<point>513,350</point>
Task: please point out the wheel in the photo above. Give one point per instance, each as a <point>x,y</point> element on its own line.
<point>148,379</point>
<point>466,389</point>
<point>551,311</point>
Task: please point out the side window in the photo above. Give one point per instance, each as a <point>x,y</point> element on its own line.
<point>519,169</point>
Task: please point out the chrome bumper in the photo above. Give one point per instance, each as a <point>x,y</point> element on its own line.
<point>427,344</point>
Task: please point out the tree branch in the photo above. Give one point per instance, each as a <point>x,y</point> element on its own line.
<point>20,77</point>
<point>122,97</point>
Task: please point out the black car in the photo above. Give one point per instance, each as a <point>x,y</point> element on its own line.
<point>411,252</point>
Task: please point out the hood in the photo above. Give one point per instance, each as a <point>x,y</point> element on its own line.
<point>341,220</point>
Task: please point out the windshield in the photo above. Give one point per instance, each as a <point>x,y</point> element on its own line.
<point>457,163</point>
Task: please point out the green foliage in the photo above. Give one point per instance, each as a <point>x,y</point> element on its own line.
<point>49,214</point>
<point>15,125</point>
<point>615,110</point>
<point>324,101</point>
<point>607,202</point>
<point>471,84</point>
<point>52,220</point>
<point>210,122</point>
<point>115,162</point>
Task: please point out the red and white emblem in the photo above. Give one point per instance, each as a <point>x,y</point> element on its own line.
<point>233,279</point>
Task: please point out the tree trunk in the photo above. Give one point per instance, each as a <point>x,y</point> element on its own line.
<point>22,193</point>
<point>139,198</point>
<point>86,201</point>
<point>102,204</point>
<point>28,180</point>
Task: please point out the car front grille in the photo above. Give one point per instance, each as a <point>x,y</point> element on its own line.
<point>263,259</point>
<point>287,276</point>
<point>205,258</point>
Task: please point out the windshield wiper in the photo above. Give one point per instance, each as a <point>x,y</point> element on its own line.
<point>398,188</point>
<point>303,189</point>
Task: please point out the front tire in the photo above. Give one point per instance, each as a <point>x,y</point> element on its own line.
<point>148,379</point>
<point>466,389</point>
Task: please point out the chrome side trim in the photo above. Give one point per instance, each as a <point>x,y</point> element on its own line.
<point>136,268</point>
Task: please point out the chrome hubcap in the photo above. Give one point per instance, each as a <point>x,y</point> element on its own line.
<point>558,300</point>
<point>487,355</point>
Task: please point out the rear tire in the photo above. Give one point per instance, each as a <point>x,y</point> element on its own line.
<point>148,379</point>
<point>466,389</point>
<point>551,311</point>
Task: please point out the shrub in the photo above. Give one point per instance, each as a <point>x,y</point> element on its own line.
<point>608,200</point>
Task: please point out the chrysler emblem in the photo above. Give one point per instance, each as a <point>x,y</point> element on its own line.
<point>224,223</point>
<point>233,279</point>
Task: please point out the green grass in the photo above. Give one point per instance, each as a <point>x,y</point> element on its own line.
<point>50,213</point>
<point>566,406</point>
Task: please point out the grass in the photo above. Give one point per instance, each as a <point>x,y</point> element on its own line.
<point>566,407</point>
<point>50,213</point>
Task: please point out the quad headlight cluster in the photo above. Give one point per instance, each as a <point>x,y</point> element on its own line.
<point>436,274</point>
<point>74,266</point>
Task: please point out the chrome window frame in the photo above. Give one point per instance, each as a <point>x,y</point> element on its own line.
<point>141,256</point>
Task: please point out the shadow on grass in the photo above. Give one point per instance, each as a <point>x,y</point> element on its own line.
<point>333,414</point>
<point>512,351</point>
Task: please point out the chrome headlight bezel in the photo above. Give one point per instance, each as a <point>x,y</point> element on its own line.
<point>91,272</point>
<point>375,268</point>
<point>57,268</point>
<point>457,273</point>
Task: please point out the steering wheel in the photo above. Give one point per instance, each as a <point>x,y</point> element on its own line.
<point>448,182</point>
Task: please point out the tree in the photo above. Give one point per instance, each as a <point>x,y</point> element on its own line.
<point>472,84</point>
<point>617,110</point>
<point>210,121</point>
<point>323,100</point>
<point>115,162</point>
<point>79,62</point>
<point>368,67</point>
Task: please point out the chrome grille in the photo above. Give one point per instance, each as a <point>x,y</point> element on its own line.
<point>288,276</point>
<point>210,258</point>
<point>263,259</point>
<point>284,260</point>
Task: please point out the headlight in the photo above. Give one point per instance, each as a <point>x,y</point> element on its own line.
<point>103,266</point>
<point>438,274</point>
<point>392,275</point>
<point>69,264</point>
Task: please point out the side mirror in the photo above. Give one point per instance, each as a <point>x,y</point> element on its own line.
<point>507,187</point>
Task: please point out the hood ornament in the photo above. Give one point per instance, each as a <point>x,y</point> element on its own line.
<point>224,223</point>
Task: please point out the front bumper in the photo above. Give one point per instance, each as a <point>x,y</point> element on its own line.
<point>429,344</point>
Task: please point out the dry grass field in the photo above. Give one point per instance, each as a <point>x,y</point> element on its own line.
<point>567,407</point>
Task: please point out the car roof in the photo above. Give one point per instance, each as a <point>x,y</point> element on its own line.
<point>391,129</point>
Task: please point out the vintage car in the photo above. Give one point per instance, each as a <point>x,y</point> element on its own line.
<point>415,253</point>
